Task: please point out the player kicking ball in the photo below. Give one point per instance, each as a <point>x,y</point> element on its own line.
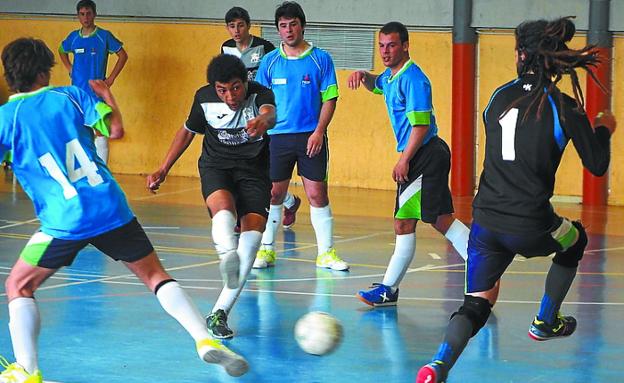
<point>78,203</point>
<point>233,114</point>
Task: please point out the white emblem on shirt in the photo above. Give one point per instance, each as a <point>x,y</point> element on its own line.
<point>255,58</point>
<point>527,87</point>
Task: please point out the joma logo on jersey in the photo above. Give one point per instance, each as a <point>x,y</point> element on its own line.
<point>255,58</point>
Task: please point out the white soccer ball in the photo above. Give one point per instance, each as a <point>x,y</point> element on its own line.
<point>318,333</point>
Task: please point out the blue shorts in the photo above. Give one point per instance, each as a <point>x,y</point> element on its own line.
<point>127,243</point>
<point>290,149</point>
<point>491,252</point>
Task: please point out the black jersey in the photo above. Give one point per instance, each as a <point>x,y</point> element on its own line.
<point>225,138</point>
<point>522,156</point>
<point>251,56</point>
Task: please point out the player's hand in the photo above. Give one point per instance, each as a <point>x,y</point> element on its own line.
<point>155,179</point>
<point>315,144</point>
<point>356,79</point>
<point>100,88</point>
<point>400,172</point>
<point>606,119</point>
<point>256,127</point>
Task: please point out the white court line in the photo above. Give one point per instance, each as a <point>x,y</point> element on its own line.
<point>604,249</point>
<point>20,223</point>
<point>159,194</point>
<point>161,227</point>
<point>435,256</point>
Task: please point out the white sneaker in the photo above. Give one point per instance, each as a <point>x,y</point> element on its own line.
<point>264,259</point>
<point>229,267</point>
<point>330,260</point>
<point>213,351</point>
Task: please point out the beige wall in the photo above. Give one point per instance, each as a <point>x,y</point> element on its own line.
<point>167,64</point>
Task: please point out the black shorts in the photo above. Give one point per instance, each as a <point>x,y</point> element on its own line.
<point>288,149</point>
<point>426,195</point>
<point>126,243</point>
<point>248,182</point>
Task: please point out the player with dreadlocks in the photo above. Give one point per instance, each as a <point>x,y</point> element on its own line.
<point>528,123</point>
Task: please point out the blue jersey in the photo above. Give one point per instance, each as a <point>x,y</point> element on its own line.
<point>90,55</point>
<point>300,84</point>
<point>50,132</point>
<point>408,99</point>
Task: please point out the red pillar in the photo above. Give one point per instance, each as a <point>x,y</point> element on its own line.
<point>595,189</point>
<point>463,120</point>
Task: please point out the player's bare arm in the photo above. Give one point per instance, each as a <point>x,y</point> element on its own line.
<point>114,120</point>
<point>401,169</point>
<point>606,119</point>
<point>122,57</point>
<point>315,142</point>
<point>256,127</point>
<point>65,60</point>
<point>361,77</point>
<point>181,141</point>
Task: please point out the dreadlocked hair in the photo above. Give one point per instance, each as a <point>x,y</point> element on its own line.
<point>542,50</point>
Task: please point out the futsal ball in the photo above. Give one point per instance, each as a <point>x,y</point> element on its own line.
<point>318,333</point>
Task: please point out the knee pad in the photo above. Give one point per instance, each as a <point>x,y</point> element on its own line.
<point>477,310</point>
<point>572,256</point>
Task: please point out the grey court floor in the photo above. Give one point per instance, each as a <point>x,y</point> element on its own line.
<point>99,324</point>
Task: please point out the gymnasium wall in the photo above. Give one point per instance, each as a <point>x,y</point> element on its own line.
<point>167,64</point>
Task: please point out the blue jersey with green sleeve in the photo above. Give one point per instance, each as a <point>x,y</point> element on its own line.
<point>90,55</point>
<point>50,132</point>
<point>300,84</point>
<point>408,99</point>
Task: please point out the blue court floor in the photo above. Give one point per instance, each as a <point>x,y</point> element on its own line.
<point>100,325</point>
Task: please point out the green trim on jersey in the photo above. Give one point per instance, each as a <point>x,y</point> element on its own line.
<point>407,64</point>
<point>101,125</point>
<point>21,96</point>
<point>330,93</point>
<point>35,248</point>
<point>410,201</point>
<point>377,91</point>
<point>305,53</point>
<point>419,118</point>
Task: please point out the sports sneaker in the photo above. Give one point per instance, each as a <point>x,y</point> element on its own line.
<point>264,258</point>
<point>563,326</point>
<point>379,295</point>
<point>434,372</point>
<point>213,351</point>
<point>14,373</point>
<point>217,325</point>
<point>331,260</point>
<point>290,214</point>
<point>229,267</point>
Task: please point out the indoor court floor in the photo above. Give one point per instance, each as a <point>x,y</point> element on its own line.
<point>100,325</point>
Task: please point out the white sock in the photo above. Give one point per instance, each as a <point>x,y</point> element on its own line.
<point>401,259</point>
<point>323,223</point>
<point>248,245</point>
<point>24,325</point>
<point>223,232</point>
<point>289,201</point>
<point>273,222</point>
<point>179,305</point>
<point>101,147</point>
<point>458,234</point>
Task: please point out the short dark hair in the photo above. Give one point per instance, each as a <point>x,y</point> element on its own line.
<point>290,10</point>
<point>86,4</point>
<point>226,68</point>
<point>23,59</point>
<point>237,13</point>
<point>396,27</point>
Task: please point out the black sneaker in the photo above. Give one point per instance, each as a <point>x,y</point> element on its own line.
<point>217,325</point>
<point>563,326</point>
